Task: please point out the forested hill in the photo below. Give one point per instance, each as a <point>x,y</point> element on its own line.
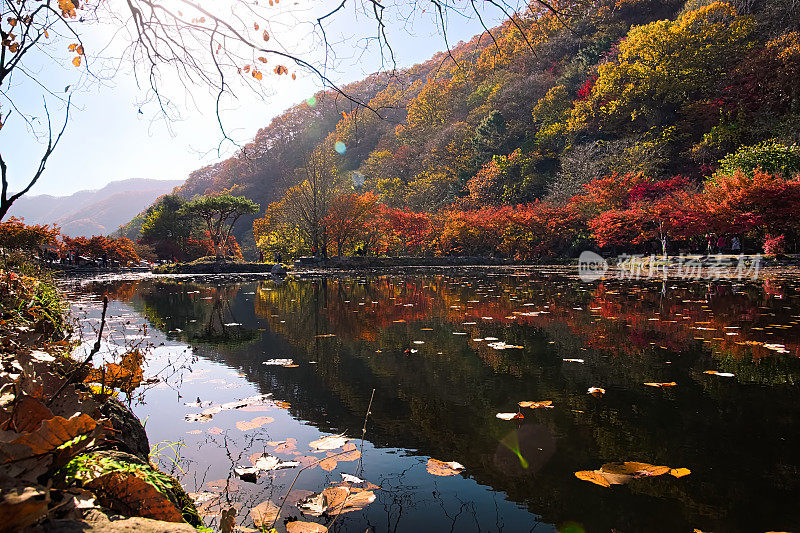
<point>542,106</point>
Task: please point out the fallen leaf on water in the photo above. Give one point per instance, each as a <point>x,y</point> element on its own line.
<point>336,500</point>
<point>278,362</point>
<point>574,361</point>
<point>286,446</point>
<point>509,416</point>
<point>596,391</point>
<point>324,335</point>
<point>547,404</point>
<point>305,527</point>
<point>593,476</point>
<point>351,479</point>
<point>331,442</point>
<point>720,374</point>
<point>257,422</point>
<point>270,462</point>
<point>352,455</point>
<point>679,472</point>
<point>328,464</point>
<point>264,514</point>
<point>441,468</point>
<point>659,384</point>
<point>621,473</point>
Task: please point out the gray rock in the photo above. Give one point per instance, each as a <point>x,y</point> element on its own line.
<point>278,269</point>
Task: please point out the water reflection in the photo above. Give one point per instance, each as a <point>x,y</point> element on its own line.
<point>424,342</point>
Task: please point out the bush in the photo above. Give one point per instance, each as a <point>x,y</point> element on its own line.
<point>770,156</point>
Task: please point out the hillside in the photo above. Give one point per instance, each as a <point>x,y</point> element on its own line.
<point>93,212</point>
<point>544,106</point>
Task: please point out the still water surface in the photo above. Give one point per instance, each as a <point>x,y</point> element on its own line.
<point>427,345</point>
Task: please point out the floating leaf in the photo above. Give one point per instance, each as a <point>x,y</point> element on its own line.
<point>509,416</point>
<point>441,468</point>
<point>305,527</point>
<point>270,462</point>
<point>596,391</point>
<point>547,404</point>
<point>720,374</point>
<point>679,472</point>
<point>659,384</point>
<point>593,476</point>
<point>328,464</point>
<point>331,442</point>
<point>336,500</point>
<point>352,455</point>
<point>265,514</point>
<point>257,422</point>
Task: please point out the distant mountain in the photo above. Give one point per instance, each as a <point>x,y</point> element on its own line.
<point>98,212</point>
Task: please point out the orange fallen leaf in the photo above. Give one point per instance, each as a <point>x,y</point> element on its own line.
<point>548,404</point>
<point>679,472</point>
<point>441,468</point>
<point>257,422</point>
<point>658,384</point>
<point>305,527</point>
<point>593,476</point>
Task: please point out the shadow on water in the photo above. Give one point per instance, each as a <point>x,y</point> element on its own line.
<point>427,344</point>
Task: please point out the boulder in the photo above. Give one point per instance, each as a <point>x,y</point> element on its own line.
<point>129,434</point>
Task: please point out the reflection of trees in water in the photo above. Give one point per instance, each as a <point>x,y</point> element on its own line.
<point>443,404</point>
<point>193,312</point>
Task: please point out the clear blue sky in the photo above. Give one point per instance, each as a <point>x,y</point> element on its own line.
<point>107,139</point>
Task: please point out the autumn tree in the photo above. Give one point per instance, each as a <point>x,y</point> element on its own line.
<point>16,235</point>
<point>350,220</point>
<point>176,45</point>
<point>219,214</point>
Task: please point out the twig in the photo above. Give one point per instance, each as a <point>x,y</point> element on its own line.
<point>95,349</point>
<point>364,432</point>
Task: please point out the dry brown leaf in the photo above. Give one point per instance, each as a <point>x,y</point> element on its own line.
<point>54,432</point>
<point>257,422</point>
<point>352,455</point>
<point>547,404</point>
<point>328,464</point>
<point>441,468</point>
<point>659,384</point>
<point>21,504</point>
<point>264,514</point>
<point>28,414</point>
<point>130,495</point>
<point>305,527</point>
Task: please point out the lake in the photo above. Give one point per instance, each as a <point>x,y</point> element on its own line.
<point>445,352</point>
